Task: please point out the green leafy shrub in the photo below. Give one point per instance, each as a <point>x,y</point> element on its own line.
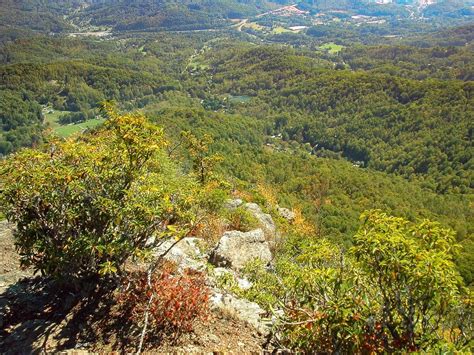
<point>241,219</point>
<point>83,206</point>
<point>396,290</point>
<point>324,304</point>
<point>213,197</point>
<point>228,282</point>
<point>203,161</point>
<point>266,288</point>
<point>411,270</point>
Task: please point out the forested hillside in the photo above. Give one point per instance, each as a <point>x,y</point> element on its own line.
<point>377,118</point>
<point>137,15</point>
<point>127,125</point>
<point>380,120</point>
<point>182,15</point>
<point>340,18</point>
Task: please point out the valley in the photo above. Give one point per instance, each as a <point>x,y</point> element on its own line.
<point>332,139</point>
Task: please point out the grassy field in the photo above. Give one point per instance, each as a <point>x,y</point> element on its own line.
<point>68,130</point>
<point>239,99</point>
<point>278,30</point>
<point>254,26</point>
<point>196,65</point>
<point>51,119</point>
<point>331,47</point>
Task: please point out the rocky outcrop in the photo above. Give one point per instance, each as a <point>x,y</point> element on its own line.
<point>264,219</point>
<point>235,249</point>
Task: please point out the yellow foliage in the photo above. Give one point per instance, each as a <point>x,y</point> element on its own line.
<point>301,226</point>
<point>268,193</point>
<point>242,194</point>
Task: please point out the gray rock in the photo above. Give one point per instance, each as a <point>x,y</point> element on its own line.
<point>264,219</point>
<point>242,309</point>
<point>287,214</point>
<point>233,203</point>
<point>185,253</point>
<point>216,298</point>
<point>235,249</point>
<point>243,283</point>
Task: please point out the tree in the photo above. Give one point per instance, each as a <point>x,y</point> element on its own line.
<point>84,206</point>
<point>203,161</point>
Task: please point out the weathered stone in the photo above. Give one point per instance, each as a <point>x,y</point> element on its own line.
<point>235,249</point>
<point>264,219</point>
<point>287,214</point>
<point>233,203</point>
<point>243,283</point>
<point>242,309</point>
<point>185,253</point>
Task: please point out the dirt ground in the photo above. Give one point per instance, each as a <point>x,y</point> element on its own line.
<point>10,271</point>
<point>37,317</point>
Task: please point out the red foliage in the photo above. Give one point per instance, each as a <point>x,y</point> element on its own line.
<point>176,300</point>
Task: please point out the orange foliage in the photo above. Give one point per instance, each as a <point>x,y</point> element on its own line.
<point>177,301</point>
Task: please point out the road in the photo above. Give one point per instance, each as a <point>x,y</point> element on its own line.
<point>242,23</point>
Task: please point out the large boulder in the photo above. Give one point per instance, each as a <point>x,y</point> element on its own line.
<point>235,249</point>
<point>264,219</point>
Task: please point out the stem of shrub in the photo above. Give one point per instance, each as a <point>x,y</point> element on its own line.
<point>147,312</point>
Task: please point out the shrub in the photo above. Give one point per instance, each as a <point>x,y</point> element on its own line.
<point>241,219</point>
<point>84,205</point>
<point>411,270</point>
<point>210,230</point>
<point>204,162</point>
<point>213,196</point>
<point>396,290</point>
<point>325,308</point>
<point>177,301</point>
